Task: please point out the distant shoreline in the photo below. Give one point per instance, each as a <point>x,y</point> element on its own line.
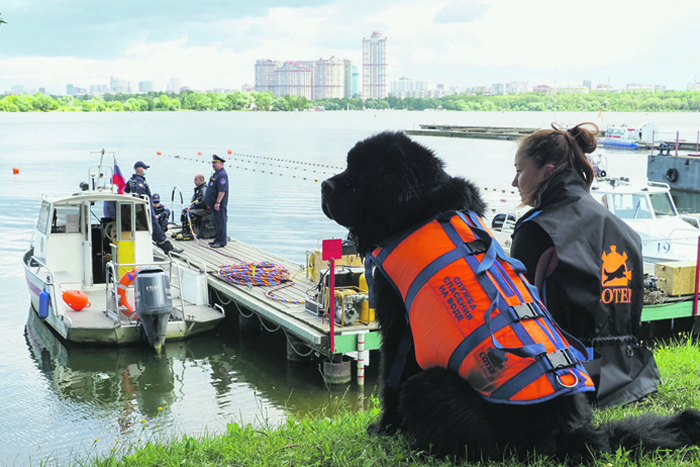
<point>595,101</point>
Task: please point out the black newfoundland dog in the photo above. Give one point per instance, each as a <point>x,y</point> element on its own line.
<point>391,184</point>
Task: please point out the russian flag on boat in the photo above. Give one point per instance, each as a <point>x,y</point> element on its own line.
<point>118,179</point>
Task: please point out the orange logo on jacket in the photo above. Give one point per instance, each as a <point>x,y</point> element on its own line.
<point>615,277</point>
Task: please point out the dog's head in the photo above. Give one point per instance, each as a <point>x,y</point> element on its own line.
<point>390,184</point>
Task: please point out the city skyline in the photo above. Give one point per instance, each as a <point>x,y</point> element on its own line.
<point>453,43</point>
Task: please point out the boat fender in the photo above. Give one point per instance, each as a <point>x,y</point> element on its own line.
<point>672,175</point>
<point>124,284</point>
<point>44,304</point>
<point>76,299</point>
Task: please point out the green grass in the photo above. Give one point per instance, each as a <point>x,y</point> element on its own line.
<point>334,436</point>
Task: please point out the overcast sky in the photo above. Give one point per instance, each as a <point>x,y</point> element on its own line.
<point>214,44</point>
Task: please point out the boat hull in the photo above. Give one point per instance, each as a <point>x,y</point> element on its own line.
<point>108,331</point>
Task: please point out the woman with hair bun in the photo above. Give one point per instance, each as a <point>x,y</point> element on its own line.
<point>585,261</point>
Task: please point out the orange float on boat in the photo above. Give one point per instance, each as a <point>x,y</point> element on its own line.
<point>76,299</point>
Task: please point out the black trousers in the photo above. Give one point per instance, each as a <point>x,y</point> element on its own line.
<point>219,218</point>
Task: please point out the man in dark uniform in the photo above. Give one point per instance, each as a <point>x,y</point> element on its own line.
<point>217,200</point>
<point>137,186</point>
<point>162,212</point>
<point>198,208</point>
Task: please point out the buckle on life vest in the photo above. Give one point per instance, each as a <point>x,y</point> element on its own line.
<point>525,311</point>
<point>477,246</point>
<point>560,359</point>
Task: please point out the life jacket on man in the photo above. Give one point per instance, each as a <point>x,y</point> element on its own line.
<point>471,310</point>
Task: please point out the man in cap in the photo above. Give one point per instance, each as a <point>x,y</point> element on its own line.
<point>137,186</point>
<point>162,212</point>
<point>217,200</point>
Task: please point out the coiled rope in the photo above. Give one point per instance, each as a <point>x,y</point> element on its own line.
<point>265,273</point>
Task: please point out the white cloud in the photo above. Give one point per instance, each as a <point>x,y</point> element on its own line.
<point>483,41</point>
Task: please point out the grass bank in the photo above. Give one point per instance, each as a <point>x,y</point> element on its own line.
<point>335,436</point>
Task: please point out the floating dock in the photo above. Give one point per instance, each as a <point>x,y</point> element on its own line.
<point>306,332</point>
<point>476,132</point>
<point>506,133</point>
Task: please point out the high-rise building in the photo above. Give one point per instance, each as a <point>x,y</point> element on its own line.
<point>119,85</point>
<point>173,85</point>
<point>265,79</point>
<point>374,67</point>
<point>348,69</point>
<point>406,87</point>
<point>355,82</point>
<point>294,79</point>
<point>147,86</point>
<point>516,87</point>
<point>329,79</point>
<point>98,89</point>
<point>69,89</point>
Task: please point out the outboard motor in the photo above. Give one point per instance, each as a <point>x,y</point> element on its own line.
<point>153,303</point>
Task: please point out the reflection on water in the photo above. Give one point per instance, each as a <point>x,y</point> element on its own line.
<point>205,382</point>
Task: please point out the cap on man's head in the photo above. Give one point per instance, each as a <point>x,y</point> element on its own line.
<point>216,158</point>
<point>156,198</point>
<point>140,164</point>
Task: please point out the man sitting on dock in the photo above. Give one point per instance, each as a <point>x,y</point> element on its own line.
<point>198,209</point>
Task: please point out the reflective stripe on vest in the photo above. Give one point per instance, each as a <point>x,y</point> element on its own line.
<point>471,310</point>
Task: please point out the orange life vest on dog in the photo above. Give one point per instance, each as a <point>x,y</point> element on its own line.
<point>471,310</point>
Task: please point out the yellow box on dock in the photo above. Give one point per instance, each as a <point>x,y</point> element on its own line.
<point>676,277</point>
<point>314,263</point>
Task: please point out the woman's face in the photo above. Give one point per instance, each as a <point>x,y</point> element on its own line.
<point>528,177</point>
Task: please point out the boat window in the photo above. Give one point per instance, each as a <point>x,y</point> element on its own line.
<point>663,204</point>
<point>602,198</point>
<point>631,206</point>
<point>141,217</point>
<point>42,223</point>
<point>66,219</point>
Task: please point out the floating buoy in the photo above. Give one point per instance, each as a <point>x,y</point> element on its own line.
<point>15,170</point>
<point>159,153</point>
<point>199,153</point>
<point>76,299</point>
<point>229,151</point>
<point>315,179</point>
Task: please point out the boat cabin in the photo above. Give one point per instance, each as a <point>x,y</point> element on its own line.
<point>79,235</point>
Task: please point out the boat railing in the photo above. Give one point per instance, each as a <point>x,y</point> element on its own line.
<point>100,177</point>
<point>176,189</point>
<point>51,282</point>
<point>659,184</point>
<point>113,279</point>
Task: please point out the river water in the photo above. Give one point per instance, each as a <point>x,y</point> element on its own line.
<point>63,403</point>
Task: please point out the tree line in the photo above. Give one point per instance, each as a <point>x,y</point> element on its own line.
<point>637,101</point>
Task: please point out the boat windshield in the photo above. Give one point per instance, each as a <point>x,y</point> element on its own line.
<point>631,206</point>
<point>663,204</point>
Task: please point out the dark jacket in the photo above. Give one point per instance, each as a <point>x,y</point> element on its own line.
<point>593,285</point>
<point>198,197</point>
<point>137,185</point>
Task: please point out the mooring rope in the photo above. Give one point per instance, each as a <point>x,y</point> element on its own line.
<point>265,273</point>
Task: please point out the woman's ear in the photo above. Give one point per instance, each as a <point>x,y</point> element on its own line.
<point>548,171</point>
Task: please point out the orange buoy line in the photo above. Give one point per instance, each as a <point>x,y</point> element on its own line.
<point>271,165</point>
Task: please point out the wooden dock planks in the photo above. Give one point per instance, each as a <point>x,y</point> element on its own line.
<point>293,318</point>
